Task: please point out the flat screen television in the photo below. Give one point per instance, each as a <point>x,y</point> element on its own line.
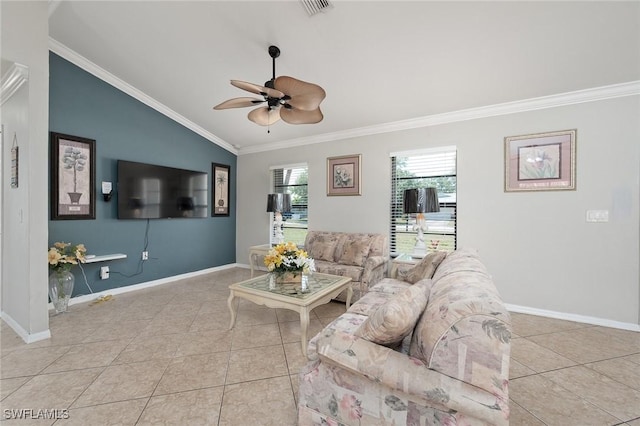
<point>148,191</point>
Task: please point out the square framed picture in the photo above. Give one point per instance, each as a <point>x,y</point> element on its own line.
<point>343,175</point>
<point>73,177</point>
<point>220,174</point>
<point>540,162</point>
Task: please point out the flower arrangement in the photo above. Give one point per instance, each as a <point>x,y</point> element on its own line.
<point>62,256</point>
<point>287,257</point>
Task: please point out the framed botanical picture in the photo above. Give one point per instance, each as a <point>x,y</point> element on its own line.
<point>540,162</point>
<point>73,177</point>
<point>220,175</point>
<point>343,175</point>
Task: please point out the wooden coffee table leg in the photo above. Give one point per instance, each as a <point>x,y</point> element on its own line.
<point>304,326</point>
<point>233,309</point>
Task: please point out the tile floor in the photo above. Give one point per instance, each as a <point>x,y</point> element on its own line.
<point>164,356</point>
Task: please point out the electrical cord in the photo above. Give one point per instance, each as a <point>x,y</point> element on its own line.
<point>140,267</point>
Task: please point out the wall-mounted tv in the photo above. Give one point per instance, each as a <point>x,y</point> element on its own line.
<point>148,191</point>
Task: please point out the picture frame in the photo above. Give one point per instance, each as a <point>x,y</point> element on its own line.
<point>540,162</point>
<point>344,175</point>
<point>73,177</point>
<point>220,176</point>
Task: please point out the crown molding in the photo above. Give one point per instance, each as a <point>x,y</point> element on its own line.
<point>12,80</point>
<point>631,88</point>
<point>82,62</point>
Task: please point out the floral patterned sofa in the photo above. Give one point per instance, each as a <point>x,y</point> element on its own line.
<point>362,257</point>
<point>430,353</point>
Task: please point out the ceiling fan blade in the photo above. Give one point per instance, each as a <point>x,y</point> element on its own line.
<point>264,116</point>
<point>304,96</point>
<point>298,116</point>
<point>258,90</point>
<point>239,103</point>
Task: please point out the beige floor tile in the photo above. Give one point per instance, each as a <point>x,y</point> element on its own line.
<point>553,404</point>
<point>295,386</point>
<point>536,357</point>
<point>8,386</point>
<point>285,315</point>
<point>117,330</point>
<point>571,344</point>
<point>214,306</point>
<point>194,372</point>
<point>54,391</point>
<point>635,358</point>
<point>29,362</point>
<point>211,321</point>
<point>193,408</point>
<point>521,417</point>
<point>290,331</point>
<point>255,336</point>
<point>162,324</point>
<point>256,363</point>
<point>256,316</point>
<point>266,402</point>
<point>295,359</point>
<point>635,422</point>
<point>115,413</point>
<point>144,312</point>
<point>331,309</point>
<point>530,325</point>
<point>204,342</point>
<point>621,369</point>
<point>88,355</point>
<point>150,347</point>
<point>516,369</point>
<point>615,398</point>
<point>123,382</point>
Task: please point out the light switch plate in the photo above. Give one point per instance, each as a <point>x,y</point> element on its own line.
<point>597,215</point>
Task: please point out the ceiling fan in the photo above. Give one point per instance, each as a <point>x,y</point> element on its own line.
<point>292,100</point>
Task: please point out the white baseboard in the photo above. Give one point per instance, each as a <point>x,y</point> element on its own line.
<point>148,284</point>
<point>573,317</point>
<point>24,334</point>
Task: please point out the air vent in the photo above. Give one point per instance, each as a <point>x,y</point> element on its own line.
<point>314,6</point>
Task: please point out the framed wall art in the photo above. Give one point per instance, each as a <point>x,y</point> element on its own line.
<point>343,175</point>
<point>540,162</point>
<point>220,174</point>
<point>73,177</point>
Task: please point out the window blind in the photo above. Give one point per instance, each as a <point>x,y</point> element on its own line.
<point>292,180</point>
<point>419,169</point>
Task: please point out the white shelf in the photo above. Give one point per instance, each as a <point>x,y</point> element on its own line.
<point>105,257</point>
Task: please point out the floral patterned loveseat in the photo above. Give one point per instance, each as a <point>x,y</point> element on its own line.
<point>362,257</point>
<point>435,352</point>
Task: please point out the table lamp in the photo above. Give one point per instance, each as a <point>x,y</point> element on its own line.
<point>278,203</point>
<point>420,201</point>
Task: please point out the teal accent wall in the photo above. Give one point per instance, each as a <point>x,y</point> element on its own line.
<point>126,129</point>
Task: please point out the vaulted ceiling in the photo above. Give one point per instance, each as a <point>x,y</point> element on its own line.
<point>380,62</point>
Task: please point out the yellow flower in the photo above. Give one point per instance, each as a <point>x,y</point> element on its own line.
<point>54,256</point>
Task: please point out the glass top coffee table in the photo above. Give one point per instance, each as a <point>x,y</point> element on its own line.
<point>321,289</point>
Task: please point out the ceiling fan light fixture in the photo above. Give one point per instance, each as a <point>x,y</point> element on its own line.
<point>297,99</point>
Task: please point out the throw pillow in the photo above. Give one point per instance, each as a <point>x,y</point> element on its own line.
<point>355,252</point>
<point>423,269</point>
<point>394,320</point>
<point>322,247</point>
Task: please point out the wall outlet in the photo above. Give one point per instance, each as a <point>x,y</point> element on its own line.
<point>145,255</point>
<point>597,215</point>
<point>104,272</point>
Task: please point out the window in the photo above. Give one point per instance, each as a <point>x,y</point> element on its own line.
<point>419,169</point>
<point>292,180</point>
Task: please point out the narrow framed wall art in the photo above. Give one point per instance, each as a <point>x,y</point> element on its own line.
<point>220,174</point>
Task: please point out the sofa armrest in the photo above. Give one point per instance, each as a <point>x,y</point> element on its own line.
<point>375,268</point>
<point>411,376</point>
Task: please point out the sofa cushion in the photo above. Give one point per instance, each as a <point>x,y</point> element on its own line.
<point>389,285</point>
<point>370,302</point>
<point>353,272</point>
<point>423,269</point>
<point>396,318</point>
<point>322,246</point>
<point>353,250</point>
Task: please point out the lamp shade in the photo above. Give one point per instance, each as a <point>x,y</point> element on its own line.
<point>420,200</point>
<point>279,203</point>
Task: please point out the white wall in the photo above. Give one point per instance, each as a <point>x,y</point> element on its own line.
<point>540,250</point>
<point>24,237</point>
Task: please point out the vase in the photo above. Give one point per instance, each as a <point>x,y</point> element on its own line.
<point>60,289</point>
<point>289,277</point>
